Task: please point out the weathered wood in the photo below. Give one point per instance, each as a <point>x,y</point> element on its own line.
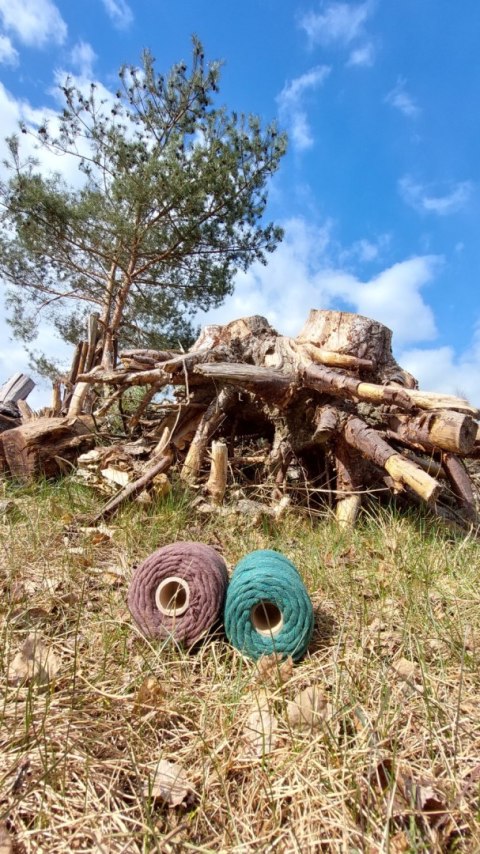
<point>461,484</point>
<point>348,485</point>
<point>151,356</point>
<point>16,388</point>
<point>56,398</point>
<point>450,431</point>
<point>153,376</point>
<point>326,421</point>
<point>158,466</point>
<point>271,385</point>
<point>208,424</point>
<point>217,480</point>
<point>366,440</point>
<point>42,447</point>
<point>332,359</point>
<point>353,334</point>
<point>77,401</point>
<point>339,384</point>
<point>26,412</point>
<point>92,338</point>
<point>72,376</point>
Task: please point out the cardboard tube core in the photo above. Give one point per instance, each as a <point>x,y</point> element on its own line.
<point>267,618</point>
<point>172,597</point>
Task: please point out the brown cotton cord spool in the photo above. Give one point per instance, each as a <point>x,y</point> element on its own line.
<point>178,592</point>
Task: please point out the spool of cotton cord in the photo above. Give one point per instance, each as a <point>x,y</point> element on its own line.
<point>267,608</point>
<point>178,592</point>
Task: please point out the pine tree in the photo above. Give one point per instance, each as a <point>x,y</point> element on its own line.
<point>170,205</point>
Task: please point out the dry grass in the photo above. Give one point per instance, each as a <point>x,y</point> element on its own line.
<point>394,767</point>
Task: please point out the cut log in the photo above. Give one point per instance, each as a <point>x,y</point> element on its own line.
<point>217,481</point>
<point>47,446</point>
<point>450,431</point>
<point>16,388</point>
<point>366,440</point>
<point>326,423</point>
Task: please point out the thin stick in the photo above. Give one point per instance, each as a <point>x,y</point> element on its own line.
<point>133,489</point>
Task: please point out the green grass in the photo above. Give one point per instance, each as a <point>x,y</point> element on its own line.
<point>395,651</point>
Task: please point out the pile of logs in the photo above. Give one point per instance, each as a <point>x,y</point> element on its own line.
<point>327,417</point>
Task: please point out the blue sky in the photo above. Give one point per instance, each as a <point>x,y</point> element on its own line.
<point>380,191</point>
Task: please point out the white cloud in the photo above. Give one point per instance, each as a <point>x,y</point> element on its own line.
<point>8,54</point>
<point>362,57</point>
<point>303,274</point>
<point>290,105</point>
<point>119,12</point>
<point>394,298</point>
<point>83,57</point>
<point>425,199</point>
<point>402,100</point>
<point>34,22</point>
<point>441,369</point>
<point>338,22</point>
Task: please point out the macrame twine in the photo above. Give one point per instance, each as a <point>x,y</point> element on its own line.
<point>267,608</point>
<point>178,592</point>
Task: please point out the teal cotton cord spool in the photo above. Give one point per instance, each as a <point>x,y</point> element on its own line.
<point>267,608</point>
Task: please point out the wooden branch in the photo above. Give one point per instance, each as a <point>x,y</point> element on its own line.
<point>152,356</point>
<point>92,335</point>
<point>349,500</point>
<point>336,382</point>
<point>272,385</point>
<point>134,488</point>
<point>340,384</point>
<point>217,481</point>
<point>450,431</point>
<point>56,398</point>
<point>146,399</point>
<point>207,426</point>
<point>461,484</point>
<point>366,440</point>
<point>328,357</point>
<point>72,376</point>
<point>326,422</point>
<point>115,377</point>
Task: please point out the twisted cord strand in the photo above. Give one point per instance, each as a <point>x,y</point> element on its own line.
<point>268,576</point>
<point>205,573</point>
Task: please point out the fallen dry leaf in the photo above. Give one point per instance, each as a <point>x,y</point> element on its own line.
<point>399,843</point>
<point>170,784</point>
<point>34,662</point>
<point>407,669</point>
<point>6,844</point>
<point>149,696</point>
<point>274,669</point>
<point>308,709</point>
<point>259,732</point>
